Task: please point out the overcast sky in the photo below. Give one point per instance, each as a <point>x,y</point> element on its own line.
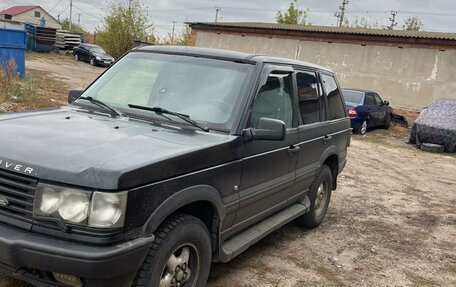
<point>437,15</point>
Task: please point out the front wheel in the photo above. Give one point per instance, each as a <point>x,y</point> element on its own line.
<point>92,62</point>
<point>319,196</point>
<point>387,124</point>
<point>179,257</point>
<point>76,57</point>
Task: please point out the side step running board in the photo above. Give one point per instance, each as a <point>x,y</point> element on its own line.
<point>241,242</point>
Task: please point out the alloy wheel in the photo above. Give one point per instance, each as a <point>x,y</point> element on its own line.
<point>182,267</point>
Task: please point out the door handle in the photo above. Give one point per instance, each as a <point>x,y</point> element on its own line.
<point>293,149</point>
<point>327,139</point>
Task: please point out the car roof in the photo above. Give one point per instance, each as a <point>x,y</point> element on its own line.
<point>219,53</point>
<point>359,90</point>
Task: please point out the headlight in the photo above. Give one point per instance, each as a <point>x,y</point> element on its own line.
<point>108,209</point>
<point>103,210</point>
<point>98,58</point>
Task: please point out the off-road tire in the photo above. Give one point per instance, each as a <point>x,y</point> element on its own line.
<point>311,219</point>
<point>174,232</point>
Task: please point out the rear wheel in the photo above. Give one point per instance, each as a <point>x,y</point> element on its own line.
<point>362,129</point>
<point>319,196</point>
<point>179,257</point>
<point>76,57</point>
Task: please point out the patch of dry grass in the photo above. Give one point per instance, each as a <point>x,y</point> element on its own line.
<point>35,91</point>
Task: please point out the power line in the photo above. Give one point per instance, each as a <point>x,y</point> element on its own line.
<point>53,7</point>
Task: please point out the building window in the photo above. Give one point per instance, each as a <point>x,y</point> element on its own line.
<point>37,14</point>
<point>8,17</point>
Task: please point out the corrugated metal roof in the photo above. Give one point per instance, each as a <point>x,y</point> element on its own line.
<point>16,10</point>
<point>329,29</point>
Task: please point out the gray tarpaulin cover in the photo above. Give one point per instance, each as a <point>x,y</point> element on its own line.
<point>437,125</point>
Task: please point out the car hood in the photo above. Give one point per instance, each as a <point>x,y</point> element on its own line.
<point>95,151</point>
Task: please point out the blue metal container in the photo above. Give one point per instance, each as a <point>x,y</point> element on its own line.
<point>12,47</point>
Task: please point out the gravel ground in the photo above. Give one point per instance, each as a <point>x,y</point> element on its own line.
<point>392,222</point>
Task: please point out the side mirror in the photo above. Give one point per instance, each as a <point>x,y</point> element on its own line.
<point>73,95</point>
<point>267,129</point>
<point>386,103</point>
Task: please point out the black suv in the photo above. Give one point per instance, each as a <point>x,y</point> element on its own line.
<point>172,159</point>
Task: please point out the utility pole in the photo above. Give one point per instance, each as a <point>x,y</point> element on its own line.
<point>217,10</point>
<point>71,13</point>
<point>79,20</point>
<point>129,4</point>
<point>341,15</point>
<point>393,20</point>
<point>172,34</point>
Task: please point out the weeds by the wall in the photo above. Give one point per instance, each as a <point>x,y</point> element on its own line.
<point>32,92</point>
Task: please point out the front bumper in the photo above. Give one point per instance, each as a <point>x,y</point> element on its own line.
<point>25,254</point>
<point>104,62</point>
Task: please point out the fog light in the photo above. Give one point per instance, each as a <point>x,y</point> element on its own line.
<point>68,279</point>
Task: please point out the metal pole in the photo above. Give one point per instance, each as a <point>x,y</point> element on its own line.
<point>217,9</point>
<point>79,20</point>
<point>342,12</point>
<point>71,13</point>
<point>393,20</point>
<point>172,34</point>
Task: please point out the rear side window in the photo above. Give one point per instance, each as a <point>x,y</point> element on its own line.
<point>309,98</point>
<point>334,96</point>
<point>370,100</point>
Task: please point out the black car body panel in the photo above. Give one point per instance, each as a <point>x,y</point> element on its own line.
<point>228,180</point>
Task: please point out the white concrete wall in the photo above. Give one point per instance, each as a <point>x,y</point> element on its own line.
<point>407,77</point>
<point>29,17</point>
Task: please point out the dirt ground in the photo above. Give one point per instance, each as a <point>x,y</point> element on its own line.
<point>75,75</point>
<point>391,222</point>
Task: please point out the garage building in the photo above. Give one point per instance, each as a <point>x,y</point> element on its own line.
<point>410,69</point>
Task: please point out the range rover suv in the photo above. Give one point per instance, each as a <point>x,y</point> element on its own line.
<point>175,157</point>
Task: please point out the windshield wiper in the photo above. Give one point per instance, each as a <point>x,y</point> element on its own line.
<point>101,105</point>
<point>161,111</point>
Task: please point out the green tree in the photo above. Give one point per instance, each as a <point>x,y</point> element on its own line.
<point>74,27</point>
<point>122,26</point>
<point>413,24</point>
<point>293,15</point>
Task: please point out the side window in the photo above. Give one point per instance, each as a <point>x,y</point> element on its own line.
<point>274,100</point>
<point>309,98</point>
<point>334,96</point>
<point>378,101</point>
<point>370,100</point>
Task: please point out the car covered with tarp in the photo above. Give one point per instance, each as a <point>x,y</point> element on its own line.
<point>436,125</point>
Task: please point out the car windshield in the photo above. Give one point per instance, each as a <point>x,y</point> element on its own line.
<point>353,96</point>
<point>97,49</point>
<point>207,90</point>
